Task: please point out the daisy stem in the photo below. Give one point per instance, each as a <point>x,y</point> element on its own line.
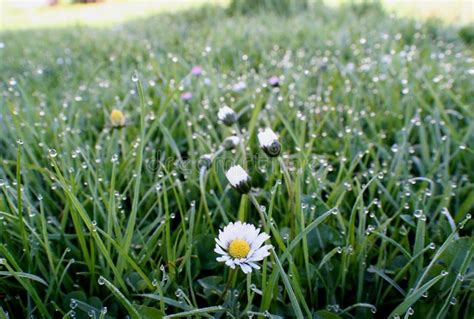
<point>242,145</point>
<point>230,279</point>
<point>202,187</point>
<point>287,178</point>
<point>288,183</point>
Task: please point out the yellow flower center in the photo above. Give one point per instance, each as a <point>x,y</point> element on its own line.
<point>239,248</point>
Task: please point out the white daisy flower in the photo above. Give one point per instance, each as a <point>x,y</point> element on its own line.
<point>240,244</point>
<point>239,179</point>
<point>227,115</point>
<point>231,142</point>
<point>268,141</point>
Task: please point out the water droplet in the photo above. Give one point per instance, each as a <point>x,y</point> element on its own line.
<point>73,304</point>
<point>453,301</point>
<point>460,277</point>
<point>52,153</point>
<point>2,182</point>
<point>101,280</point>
<point>418,213</point>
<point>19,142</point>
<point>135,76</point>
<point>444,273</point>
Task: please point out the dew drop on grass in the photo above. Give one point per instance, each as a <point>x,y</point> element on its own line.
<point>135,76</point>
<point>460,277</point>
<point>73,304</point>
<point>444,273</point>
<point>453,301</point>
<point>2,182</point>
<point>410,311</point>
<point>52,153</point>
<point>94,225</point>
<point>91,313</point>
<point>19,142</point>
<point>432,246</point>
<point>418,213</point>
<point>101,280</point>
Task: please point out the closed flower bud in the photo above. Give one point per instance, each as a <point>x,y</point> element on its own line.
<point>268,141</point>
<point>231,142</point>
<point>239,179</point>
<point>227,115</point>
<point>117,118</point>
<point>205,161</point>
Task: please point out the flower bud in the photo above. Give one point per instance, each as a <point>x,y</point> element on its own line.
<point>239,179</point>
<point>269,143</point>
<point>227,115</point>
<point>231,142</point>
<point>117,118</point>
<point>205,161</point>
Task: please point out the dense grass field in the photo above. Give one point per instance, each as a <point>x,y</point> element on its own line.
<point>368,205</point>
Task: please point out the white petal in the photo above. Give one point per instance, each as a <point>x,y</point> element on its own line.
<point>230,263</point>
<point>253,265</point>
<point>245,268</point>
<point>260,253</point>
<point>219,250</point>
<point>223,258</point>
<point>259,240</point>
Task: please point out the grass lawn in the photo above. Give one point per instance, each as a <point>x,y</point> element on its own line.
<point>367,197</point>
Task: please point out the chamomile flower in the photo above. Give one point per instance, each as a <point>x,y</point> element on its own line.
<point>231,142</point>
<point>268,141</point>
<point>239,179</point>
<point>117,118</point>
<point>240,244</point>
<point>227,115</point>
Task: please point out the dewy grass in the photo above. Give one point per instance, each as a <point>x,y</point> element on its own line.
<point>362,175</point>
